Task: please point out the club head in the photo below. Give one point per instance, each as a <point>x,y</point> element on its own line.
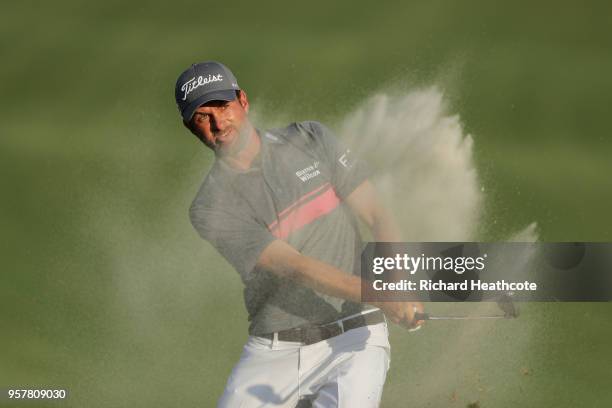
<point>507,306</point>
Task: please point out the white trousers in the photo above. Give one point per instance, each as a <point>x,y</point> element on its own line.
<point>346,371</point>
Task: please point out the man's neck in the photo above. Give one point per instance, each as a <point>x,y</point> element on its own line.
<point>243,158</point>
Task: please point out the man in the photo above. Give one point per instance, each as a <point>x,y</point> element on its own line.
<point>280,206</point>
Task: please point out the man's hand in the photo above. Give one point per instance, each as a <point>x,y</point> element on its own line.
<point>402,313</point>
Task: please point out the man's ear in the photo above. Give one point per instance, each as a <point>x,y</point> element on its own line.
<point>244,101</point>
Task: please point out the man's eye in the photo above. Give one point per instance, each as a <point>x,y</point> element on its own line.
<point>202,117</point>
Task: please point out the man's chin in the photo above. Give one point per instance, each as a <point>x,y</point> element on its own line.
<point>225,148</point>
<point>232,145</point>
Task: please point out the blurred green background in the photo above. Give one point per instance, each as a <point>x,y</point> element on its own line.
<point>106,290</point>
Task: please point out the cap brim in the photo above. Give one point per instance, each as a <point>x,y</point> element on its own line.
<point>225,95</point>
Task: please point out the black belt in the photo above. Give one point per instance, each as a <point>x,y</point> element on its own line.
<point>315,334</point>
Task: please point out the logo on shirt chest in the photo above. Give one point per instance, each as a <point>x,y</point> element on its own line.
<point>309,172</point>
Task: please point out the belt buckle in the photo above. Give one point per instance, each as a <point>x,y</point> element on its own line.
<point>316,334</point>
<point>311,335</point>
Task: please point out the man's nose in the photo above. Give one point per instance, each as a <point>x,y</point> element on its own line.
<point>216,121</point>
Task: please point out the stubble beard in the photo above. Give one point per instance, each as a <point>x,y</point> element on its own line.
<point>240,142</point>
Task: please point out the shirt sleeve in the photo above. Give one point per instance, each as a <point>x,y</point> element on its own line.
<point>239,238</point>
<point>348,171</point>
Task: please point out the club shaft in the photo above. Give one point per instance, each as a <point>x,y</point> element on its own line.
<point>427,316</point>
<point>463,317</point>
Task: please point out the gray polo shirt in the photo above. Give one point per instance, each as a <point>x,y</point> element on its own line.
<point>294,191</point>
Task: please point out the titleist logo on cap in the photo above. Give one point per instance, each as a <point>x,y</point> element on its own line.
<point>194,83</point>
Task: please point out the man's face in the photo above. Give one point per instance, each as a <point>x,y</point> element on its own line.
<point>222,125</point>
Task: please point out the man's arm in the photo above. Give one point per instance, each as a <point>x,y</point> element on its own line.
<point>283,260</point>
<point>364,202</point>
<point>367,206</point>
